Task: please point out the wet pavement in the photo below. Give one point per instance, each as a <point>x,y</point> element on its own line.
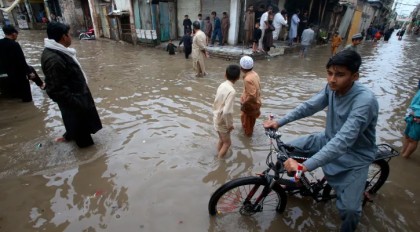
<point>235,52</point>
<point>153,167</point>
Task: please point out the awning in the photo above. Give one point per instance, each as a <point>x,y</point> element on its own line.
<point>11,7</point>
<point>118,13</point>
<point>376,3</point>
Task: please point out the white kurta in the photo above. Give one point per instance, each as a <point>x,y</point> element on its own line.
<point>198,52</point>
<point>294,26</point>
<point>223,107</point>
<point>278,23</point>
<point>264,17</point>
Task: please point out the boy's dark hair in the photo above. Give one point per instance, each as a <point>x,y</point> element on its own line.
<point>224,13</point>
<point>9,29</point>
<point>347,58</point>
<point>56,30</point>
<point>207,18</point>
<point>196,25</point>
<point>200,15</point>
<point>233,72</point>
<point>185,16</point>
<point>213,13</point>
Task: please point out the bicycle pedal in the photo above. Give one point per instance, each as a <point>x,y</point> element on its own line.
<point>368,197</point>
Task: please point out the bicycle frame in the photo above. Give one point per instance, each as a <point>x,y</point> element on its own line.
<point>304,186</point>
<point>258,189</point>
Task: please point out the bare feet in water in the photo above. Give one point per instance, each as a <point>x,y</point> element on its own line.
<point>60,140</point>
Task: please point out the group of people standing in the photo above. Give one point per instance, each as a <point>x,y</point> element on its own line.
<point>264,26</point>
<point>200,34</point>
<point>212,26</point>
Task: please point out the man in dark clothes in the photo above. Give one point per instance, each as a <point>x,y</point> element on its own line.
<point>261,10</point>
<point>187,24</point>
<point>12,62</point>
<point>66,84</point>
<point>187,41</point>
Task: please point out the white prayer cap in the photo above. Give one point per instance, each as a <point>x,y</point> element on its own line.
<point>246,62</point>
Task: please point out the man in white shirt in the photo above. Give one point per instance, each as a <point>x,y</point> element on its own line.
<point>264,18</point>
<point>280,19</point>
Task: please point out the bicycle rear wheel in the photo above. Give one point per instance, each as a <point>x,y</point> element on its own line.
<point>247,196</point>
<point>377,175</point>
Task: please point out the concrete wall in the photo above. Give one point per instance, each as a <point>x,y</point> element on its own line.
<point>235,7</point>
<point>219,6</point>
<point>73,15</point>
<point>368,13</point>
<point>187,7</point>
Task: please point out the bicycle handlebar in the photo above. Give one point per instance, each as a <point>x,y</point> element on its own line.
<point>282,154</point>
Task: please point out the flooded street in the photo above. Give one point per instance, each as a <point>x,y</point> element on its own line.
<point>154,164</point>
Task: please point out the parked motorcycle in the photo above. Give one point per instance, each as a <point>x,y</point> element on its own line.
<point>88,35</point>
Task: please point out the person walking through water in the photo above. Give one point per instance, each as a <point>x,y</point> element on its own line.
<point>170,48</point>
<point>223,109</point>
<point>66,84</point>
<point>412,130</point>
<point>199,52</point>
<point>347,147</point>
<point>306,40</point>
<point>13,62</point>
<point>401,34</point>
<point>356,39</point>
<point>187,41</point>
<point>251,95</point>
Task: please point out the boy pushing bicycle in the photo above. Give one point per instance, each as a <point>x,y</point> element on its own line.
<point>347,146</point>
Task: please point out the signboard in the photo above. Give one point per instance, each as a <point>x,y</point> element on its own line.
<point>23,24</point>
<point>402,18</point>
<point>146,34</point>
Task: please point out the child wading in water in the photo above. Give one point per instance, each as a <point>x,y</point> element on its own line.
<point>223,109</point>
<point>171,48</point>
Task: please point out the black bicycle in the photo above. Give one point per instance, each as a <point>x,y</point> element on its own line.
<point>268,192</point>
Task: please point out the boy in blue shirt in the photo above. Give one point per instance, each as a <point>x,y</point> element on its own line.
<point>348,145</point>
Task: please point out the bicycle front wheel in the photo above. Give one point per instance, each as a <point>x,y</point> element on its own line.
<point>247,196</point>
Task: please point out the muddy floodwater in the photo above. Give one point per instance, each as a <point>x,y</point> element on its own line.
<point>153,167</point>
